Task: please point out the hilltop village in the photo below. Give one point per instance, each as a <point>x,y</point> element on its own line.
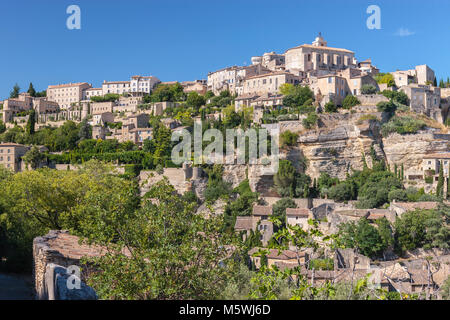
<point>362,190</point>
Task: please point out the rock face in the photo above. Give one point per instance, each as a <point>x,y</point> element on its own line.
<point>339,148</point>
<point>62,285</point>
<point>410,149</point>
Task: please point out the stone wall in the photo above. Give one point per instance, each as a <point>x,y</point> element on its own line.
<point>371,99</point>
<point>59,248</point>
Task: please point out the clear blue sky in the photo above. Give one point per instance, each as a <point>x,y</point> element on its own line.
<point>184,40</point>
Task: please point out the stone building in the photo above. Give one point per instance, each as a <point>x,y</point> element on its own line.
<point>422,75</point>
<point>11,154</point>
<point>318,59</point>
<point>298,217</point>
<point>25,102</point>
<point>232,78</point>
<point>67,94</point>
<point>424,99</point>
<point>102,107</point>
<point>269,83</point>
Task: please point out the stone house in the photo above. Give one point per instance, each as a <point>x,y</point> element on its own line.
<point>269,83</point>
<point>262,211</point>
<point>298,216</point>
<point>318,58</point>
<point>424,99</point>
<point>11,154</point>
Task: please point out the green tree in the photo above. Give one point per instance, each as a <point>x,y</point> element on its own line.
<point>31,90</point>
<point>410,230</point>
<point>361,236</point>
<point>440,185</point>
<point>386,233</point>
<point>195,101</point>
<point>31,123</point>
<point>85,131</point>
<point>2,127</point>
<point>15,92</point>
<point>33,157</point>
<point>284,179</point>
<point>174,253</point>
<point>297,95</point>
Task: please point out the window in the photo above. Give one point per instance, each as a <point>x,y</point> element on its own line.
<point>330,80</point>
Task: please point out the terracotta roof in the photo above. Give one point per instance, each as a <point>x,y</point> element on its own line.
<point>300,212</point>
<point>262,210</point>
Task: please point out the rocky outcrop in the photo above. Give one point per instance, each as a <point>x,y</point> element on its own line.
<point>410,149</point>
<point>339,149</point>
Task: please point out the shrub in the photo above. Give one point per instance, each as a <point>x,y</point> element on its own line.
<point>398,195</point>
<point>350,101</point>
<point>368,89</point>
<point>310,120</point>
<point>366,117</point>
<point>386,106</point>
<point>321,264</point>
<point>397,96</point>
<point>402,125</point>
<point>330,107</point>
<point>288,138</point>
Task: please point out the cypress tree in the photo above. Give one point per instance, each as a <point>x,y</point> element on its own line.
<point>440,185</point>
<point>15,92</point>
<point>31,122</point>
<point>396,171</point>
<point>31,90</point>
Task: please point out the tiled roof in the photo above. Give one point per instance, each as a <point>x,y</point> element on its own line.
<point>299,212</point>
<point>262,210</point>
<point>245,222</point>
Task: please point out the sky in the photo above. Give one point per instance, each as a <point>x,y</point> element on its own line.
<point>178,40</point>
